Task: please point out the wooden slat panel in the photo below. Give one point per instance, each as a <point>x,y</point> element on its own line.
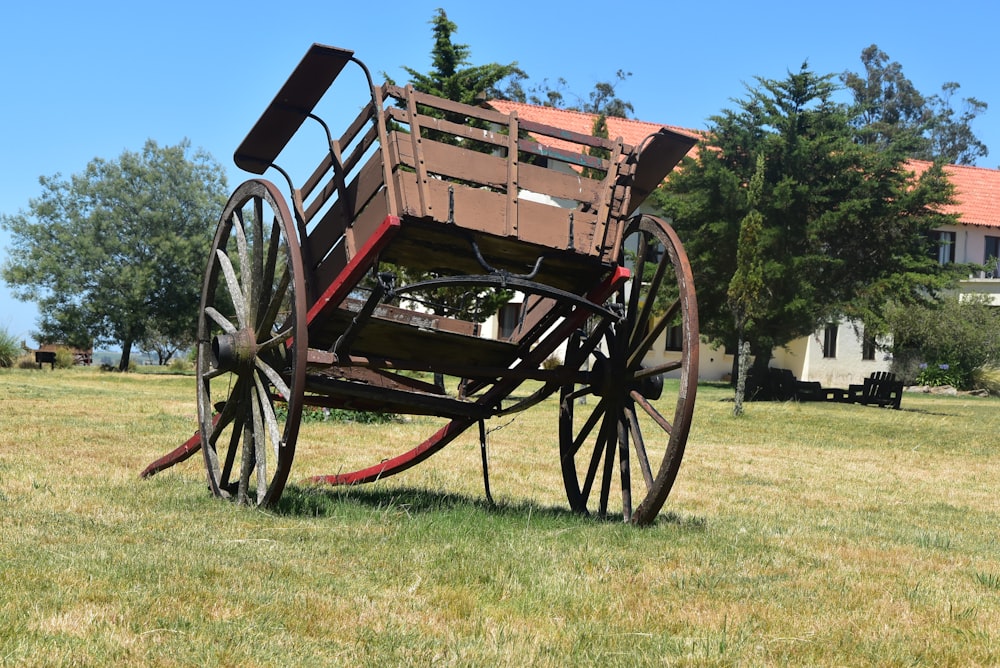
<point>488,115</point>
<point>536,128</point>
<point>365,224</point>
<point>339,217</point>
<point>469,132</point>
<point>454,162</point>
<point>398,340</point>
<point>485,211</point>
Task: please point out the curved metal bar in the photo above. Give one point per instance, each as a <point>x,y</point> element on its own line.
<point>502,272</point>
<point>498,281</point>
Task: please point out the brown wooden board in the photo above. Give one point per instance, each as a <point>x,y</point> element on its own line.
<point>290,107</point>
<point>405,341</point>
<point>447,250</point>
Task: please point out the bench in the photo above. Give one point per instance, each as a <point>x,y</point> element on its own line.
<point>879,389</point>
<point>45,357</point>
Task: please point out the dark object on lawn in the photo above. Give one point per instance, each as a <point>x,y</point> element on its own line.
<point>879,389</point>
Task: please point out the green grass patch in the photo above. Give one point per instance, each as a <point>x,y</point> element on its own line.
<point>799,534</point>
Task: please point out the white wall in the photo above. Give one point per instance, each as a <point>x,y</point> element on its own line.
<point>847,367</point>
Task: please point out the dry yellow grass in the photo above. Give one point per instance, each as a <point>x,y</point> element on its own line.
<point>802,534</point>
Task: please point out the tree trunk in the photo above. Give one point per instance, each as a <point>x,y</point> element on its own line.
<point>126,355</point>
<point>742,364</point>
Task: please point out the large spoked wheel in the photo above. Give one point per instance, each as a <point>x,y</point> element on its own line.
<point>619,437</point>
<point>252,347</point>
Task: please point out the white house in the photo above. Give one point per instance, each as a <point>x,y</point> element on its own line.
<point>839,354</point>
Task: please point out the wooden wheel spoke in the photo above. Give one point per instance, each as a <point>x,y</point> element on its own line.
<point>588,427</point>
<point>234,442</point>
<point>658,369</point>
<point>247,456</point>
<point>213,373</point>
<point>274,377</point>
<point>226,417</point>
<point>233,284</point>
<point>246,267</point>
<point>581,391</point>
<point>609,465</point>
<point>269,417</point>
<point>624,467</point>
<point>260,399</point>
<point>221,320</point>
<point>651,411</point>
<point>642,347</point>
<point>267,282</point>
<point>274,342</point>
<point>257,243</point>
<point>643,314</point>
<point>274,307</point>
<point>600,449</point>
<point>639,445</point>
<point>635,294</point>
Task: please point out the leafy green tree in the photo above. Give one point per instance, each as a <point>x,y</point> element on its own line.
<point>453,77</point>
<point>890,110</point>
<point>747,294</point>
<point>117,252</point>
<point>602,100</point>
<point>950,339</point>
<point>839,226</point>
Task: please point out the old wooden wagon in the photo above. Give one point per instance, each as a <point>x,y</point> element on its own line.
<point>320,299</point>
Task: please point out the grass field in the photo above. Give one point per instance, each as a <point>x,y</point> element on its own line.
<point>800,534</point>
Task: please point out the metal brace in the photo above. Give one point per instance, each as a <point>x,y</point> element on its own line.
<point>486,465</point>
<point>385,285</point>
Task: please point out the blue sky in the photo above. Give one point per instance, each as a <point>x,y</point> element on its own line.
<point>81,80</point>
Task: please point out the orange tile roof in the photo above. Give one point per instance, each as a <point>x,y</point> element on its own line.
<point>631,131</point>
<point>977,193</point>
<point>977,189</point>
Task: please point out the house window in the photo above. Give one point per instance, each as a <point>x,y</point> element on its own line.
<point>867,347</point>
<point>510,316</point>
<point>991,253</point>
<point>943,247</point>
<point>830,341</point>
<point>675,341</point>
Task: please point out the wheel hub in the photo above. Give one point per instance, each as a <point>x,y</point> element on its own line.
<point>609,378</point>
<point>231,352</point>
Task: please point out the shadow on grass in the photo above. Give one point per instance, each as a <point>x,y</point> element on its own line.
<point>319,501</point>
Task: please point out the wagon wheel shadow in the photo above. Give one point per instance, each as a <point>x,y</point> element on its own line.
<point>320,502</point>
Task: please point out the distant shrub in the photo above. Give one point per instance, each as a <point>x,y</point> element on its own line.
<point>179,364</point>
<point>10,348</point>
<point>939,375</point>
<point>26,362</point>
<point>987,378</point>
<point>64,358</point>
<point>941,345</point>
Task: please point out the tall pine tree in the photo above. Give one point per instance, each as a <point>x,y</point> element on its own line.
<point>843,227</point>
